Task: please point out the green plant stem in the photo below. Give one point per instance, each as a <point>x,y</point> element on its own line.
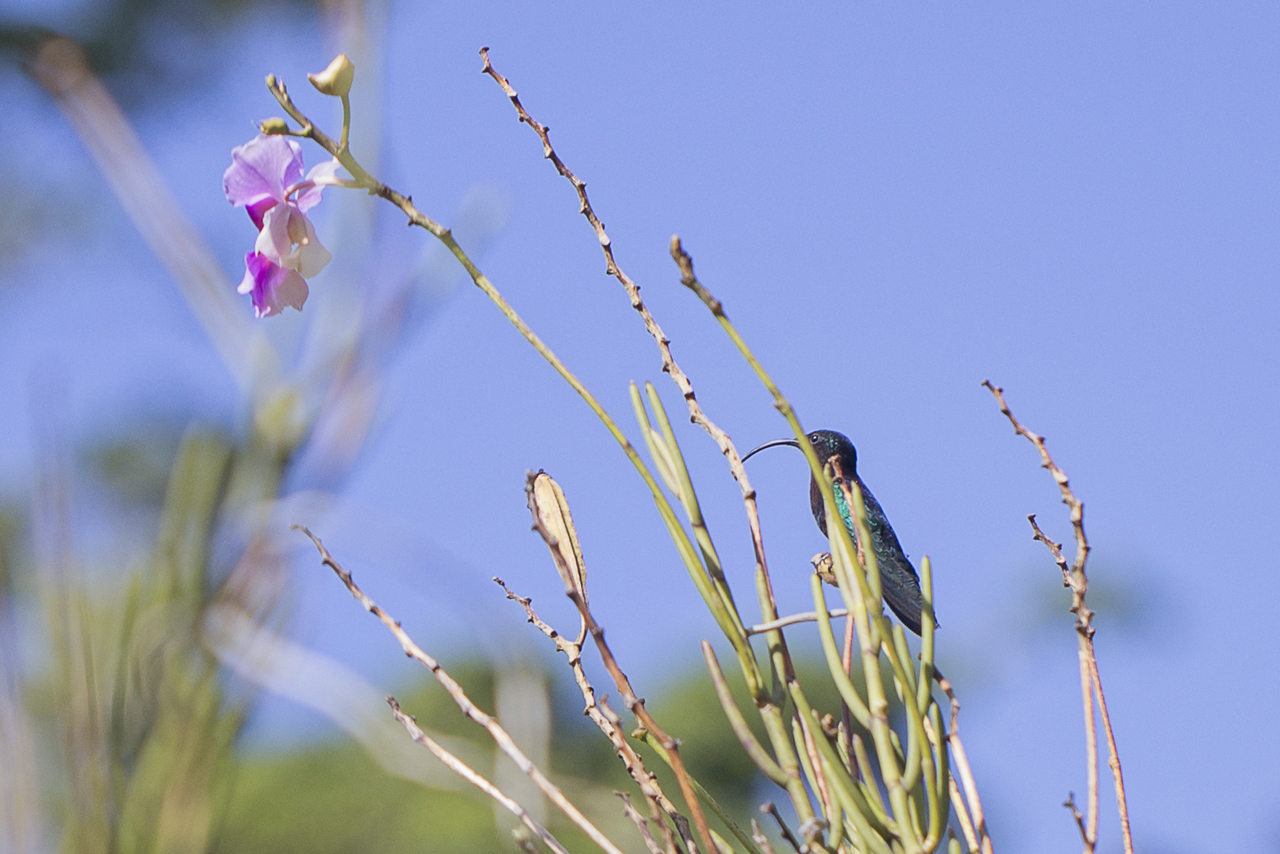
<point>853,582</point>
<point>868,787</point>
<point>669,461</point>
<point>928,624</point>
<point>689,498</point>
<point>800,739</point>
<point>738,723</point>
<point>844,685</point>
<point>364,180</point>
<point>868,824</point>
<point>938,778</point>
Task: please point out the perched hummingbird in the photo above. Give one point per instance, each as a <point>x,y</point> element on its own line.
<point>898,579</point>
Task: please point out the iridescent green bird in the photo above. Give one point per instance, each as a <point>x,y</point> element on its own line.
<point>898,580</point>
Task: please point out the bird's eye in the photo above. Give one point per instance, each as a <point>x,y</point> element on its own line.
<point>813,437</point>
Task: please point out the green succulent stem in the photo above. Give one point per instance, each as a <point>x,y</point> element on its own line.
<point>831,651</point>
<point>738,722</point>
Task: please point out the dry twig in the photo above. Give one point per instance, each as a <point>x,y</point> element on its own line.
<point>634,703</point>
<point>470,775</point>
<point>598,715</point>
<point>1075,579</point>
<point>470,709</point>
<point>763,841</point>
<point>792,619</point>
<point>772,811</point>
<point>641,823</point>
<point>975,828</point>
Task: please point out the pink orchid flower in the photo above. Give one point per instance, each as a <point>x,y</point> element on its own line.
<point>265,177</point>
<point>271,286</point>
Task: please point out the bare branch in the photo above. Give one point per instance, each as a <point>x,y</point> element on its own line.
<point>607,724</point>
<point>470,709</point>
<point>763,841</point>
<point>770,810</point>
<point>1074,577</point>
<point>634,703</point>
<point>1113,755</point>
<point>1070,803</point>
<point>641,823</point>
<point>976,832</point>
<point>470,775</point>
<point>792,619</point>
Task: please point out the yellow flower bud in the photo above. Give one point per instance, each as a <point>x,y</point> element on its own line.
<point>336,79</point>
<point>274,125</point>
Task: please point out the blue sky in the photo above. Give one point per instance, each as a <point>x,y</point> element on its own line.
<point>1076,201</point>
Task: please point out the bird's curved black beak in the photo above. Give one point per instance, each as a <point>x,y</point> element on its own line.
<point>775,443</point>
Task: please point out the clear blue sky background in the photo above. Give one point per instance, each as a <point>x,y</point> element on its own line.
<point>894,202</point>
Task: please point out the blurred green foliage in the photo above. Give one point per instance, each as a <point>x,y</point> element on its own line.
<point>131,707</point>
<point>333,798</point>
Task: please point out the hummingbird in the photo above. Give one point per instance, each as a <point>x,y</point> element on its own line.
<point>898,579</point>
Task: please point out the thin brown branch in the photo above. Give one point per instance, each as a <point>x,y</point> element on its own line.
<point>978,836</point>
<point>1090,829</point>
<point>822,788</point>
<point>760,839</point>
<point>1113,758</point>
<point>792,619</point>
<point>631,760</point>
<point>1075,578</point>
<point>772,811</point>
<point>962,815</point>
<point>470,709</point>
<point>677,818</point>
<point>470,775</point>
<point>641,823</point>
<point>780,656</point>
<point>634,703</point>
<point>1070,803</point>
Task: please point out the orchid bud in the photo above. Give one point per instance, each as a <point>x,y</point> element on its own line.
<point>274,126</point>
<point>336,79</point>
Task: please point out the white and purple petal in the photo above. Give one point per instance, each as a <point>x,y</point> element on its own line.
<point>264,173</point>
<point>320,176</point>
<point>289,240</point>
<point>263,168</point>
<point>310,257</point>
<point>271,287</point>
